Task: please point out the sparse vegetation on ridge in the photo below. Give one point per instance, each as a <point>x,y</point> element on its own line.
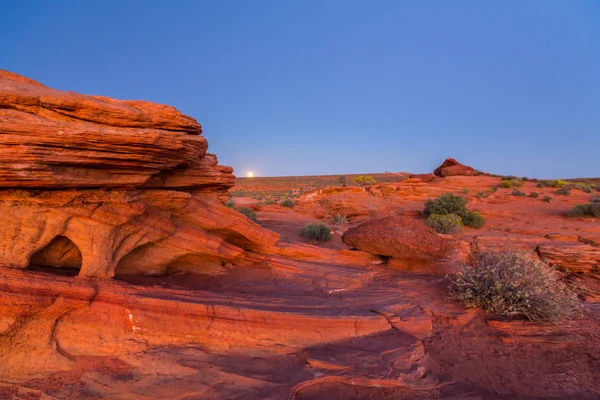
<point>249,213</point>
<point>364,180</point>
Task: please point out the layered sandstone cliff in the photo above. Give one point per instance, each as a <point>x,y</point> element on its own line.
<point>112,187</point>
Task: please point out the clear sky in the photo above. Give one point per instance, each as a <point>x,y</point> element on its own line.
<point>299,87</point>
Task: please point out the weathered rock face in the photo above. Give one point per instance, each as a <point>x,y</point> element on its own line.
<point>133,190</point>
<point>54,139</point>
<point>451,167</point>
<point>399,237</point>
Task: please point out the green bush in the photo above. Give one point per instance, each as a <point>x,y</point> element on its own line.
<point>547,199</point>
<point>230,203</point>
<point>339,220</point>
<point>535,195</point>
<point>446,203</point>
<point>445,223</point>
<point>517,192</point>
<point>269,202</point>
<point>466,191</point>
<point>287,203</point>
<point>586,210</point>
<point>364,180</point>
<point>317,232</point>
<point>507,184</point>
<point>249,213</point>
<point>563,191</point>
<point>481,194</point>
<point>473,220</point>
<point>450,204</point>
<point>514,284</point>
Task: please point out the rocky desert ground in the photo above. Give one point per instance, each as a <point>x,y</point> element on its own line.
<point>127,270</point>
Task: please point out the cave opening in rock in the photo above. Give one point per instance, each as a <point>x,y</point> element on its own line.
<point>61,256</point>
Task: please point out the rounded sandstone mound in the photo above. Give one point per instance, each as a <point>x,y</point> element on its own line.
<point>451,167</point>
<point>398,237</point>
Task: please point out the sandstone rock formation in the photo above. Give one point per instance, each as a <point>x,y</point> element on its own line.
<point>133,190</point>
<point>399,237</point>
<point>451,167</point>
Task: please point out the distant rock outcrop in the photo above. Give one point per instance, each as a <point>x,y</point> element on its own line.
<point>112,187</point>
<point>451,167</point>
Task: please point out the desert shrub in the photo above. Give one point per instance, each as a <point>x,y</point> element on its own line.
<point>517,192</point>
<point>466,191</point>
<point>364,180</point>
<point>249,213</point>
<point>507,184</point>
<point>230,203</point>
<point>541,184</point>
<point>586,210</point>
<point>597,188</point>
<point>587,189</point>
<point>584,187</point>
<point>492,189</point>
<point>317,232</point>
<point>595,199</point>
<point>481,194</point>
<point>269,202</point>
<point>444,223</point>
<point>343,180</point>
<point>287,203</point>
<point>535,195</point>
<point>450,204</point>
<point>339,219</point>
<point>509,177</point>
<point>524,178</point>
<point>514,284</point>
<point>563,191</point>
<point>473,220</point>
<point>547,199</point>
<point>518,182</point>
<point>447,203</point>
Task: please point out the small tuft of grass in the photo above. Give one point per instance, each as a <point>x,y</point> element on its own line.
<point>547,199</point>
<point>317,232</point>
<point>339,220</point>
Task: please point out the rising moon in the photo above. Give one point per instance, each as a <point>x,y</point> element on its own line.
<point>250,174</point>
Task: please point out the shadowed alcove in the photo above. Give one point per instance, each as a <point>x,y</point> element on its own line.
<point>61,256</point>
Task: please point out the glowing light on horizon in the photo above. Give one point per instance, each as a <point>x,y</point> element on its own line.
<point>250,174</point>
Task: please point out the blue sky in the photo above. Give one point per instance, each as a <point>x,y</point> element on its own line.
<point>327,87</point>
